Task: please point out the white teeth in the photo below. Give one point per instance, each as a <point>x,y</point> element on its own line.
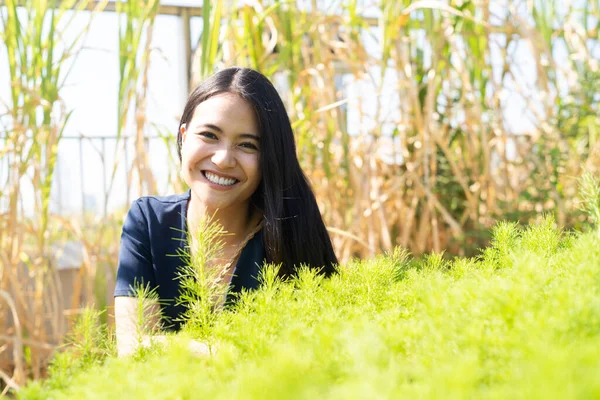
<point>219,180</point>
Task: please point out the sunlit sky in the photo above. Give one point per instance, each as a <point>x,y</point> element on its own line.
<point>91,92</point>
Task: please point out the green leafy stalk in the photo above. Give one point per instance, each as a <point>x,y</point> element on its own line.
<point>589,191</point>
<point>202,283</point>
<point>148,316</point>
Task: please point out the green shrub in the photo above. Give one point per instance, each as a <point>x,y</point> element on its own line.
<point>521,321</point>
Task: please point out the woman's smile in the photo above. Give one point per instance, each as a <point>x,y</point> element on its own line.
<point>219,181</point>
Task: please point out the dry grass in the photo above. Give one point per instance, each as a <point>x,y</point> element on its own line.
<point>29,279</point>
<point>461,167</point>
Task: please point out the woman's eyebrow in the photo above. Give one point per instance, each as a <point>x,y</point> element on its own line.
<point>216,128</point>
<point>250,136</point>
<point>210,126</point>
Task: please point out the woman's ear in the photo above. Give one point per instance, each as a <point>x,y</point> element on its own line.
<point>183,131</point>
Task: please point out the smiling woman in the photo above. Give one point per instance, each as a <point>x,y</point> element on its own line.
<point>238,156</point>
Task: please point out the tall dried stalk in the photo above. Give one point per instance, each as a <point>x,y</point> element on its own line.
<point>19,375</point>
<point>134,60</point>
<point>461,167</point>
<point>32,129</point>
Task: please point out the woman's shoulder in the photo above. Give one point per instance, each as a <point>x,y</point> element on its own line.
<point>161,208</point>
<point>164,201</point>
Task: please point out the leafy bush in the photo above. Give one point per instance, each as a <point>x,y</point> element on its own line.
<point>520,321</point>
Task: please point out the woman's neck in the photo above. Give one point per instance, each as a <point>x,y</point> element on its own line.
<point>236,223</point>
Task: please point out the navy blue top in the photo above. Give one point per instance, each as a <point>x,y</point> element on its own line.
<point>154,233</point>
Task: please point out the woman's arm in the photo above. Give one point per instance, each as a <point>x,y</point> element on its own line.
<point>135,328</point>
<point>136,319</point>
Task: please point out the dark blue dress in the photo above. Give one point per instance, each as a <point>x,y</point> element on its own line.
<point>153,236</point>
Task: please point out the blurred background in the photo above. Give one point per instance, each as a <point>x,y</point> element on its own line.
<point>419,123</point>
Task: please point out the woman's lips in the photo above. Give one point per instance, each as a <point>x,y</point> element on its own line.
<point>219,181</point>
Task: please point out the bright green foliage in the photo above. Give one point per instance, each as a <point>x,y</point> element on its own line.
<point>88,345</point>
<point>200,284</point>
<point>589,190</point>
<point>522,321</point>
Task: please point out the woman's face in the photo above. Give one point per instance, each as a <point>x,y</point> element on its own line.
<point>220,152</point>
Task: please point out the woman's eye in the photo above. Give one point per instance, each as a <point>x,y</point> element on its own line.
<point>248,145</point>
<point>208,135</point>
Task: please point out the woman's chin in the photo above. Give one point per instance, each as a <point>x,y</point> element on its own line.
<point>220,199</point>
<point>211,202</point>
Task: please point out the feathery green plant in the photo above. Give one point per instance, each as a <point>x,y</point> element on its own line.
<point>202,284</point>
<point>590,194</point>
<point>88,344</point>
<point>148,319</point>
<point>461,329</point>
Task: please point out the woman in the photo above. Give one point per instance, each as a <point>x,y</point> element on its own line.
<point>238,157</point>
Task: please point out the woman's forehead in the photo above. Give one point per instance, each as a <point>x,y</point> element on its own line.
<point>225,112</point>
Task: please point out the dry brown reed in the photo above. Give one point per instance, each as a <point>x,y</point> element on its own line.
<point>461,167</point>
<point>35,314</point>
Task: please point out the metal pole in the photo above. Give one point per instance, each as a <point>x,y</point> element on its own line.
<point>81,180</point>
<point>58,182</point>
<point>187,40</point>
<point>111,6</point>
<point>126,169</point>
<point>104,189</point>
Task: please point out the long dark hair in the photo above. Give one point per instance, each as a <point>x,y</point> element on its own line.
<point>294,232</point>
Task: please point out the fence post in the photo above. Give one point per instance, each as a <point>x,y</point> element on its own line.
<point>81,180</point>
<point>105,208</point>
<point>127,183</point>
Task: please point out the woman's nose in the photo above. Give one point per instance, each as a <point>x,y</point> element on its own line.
<point>224,158</point>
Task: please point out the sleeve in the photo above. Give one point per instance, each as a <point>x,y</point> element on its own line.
<point>135,257</point>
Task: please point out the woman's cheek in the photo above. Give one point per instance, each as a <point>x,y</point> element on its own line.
<point>190,155</point>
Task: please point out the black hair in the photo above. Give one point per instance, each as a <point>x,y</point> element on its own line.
<point>293,229</point>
